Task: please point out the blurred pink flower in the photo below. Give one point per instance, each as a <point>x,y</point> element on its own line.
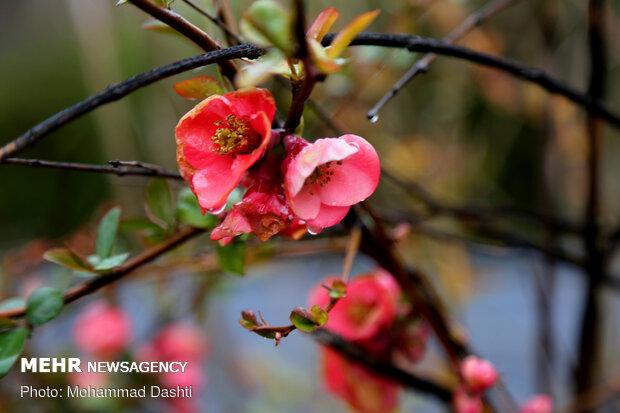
<point>323,179</point>
<point>478,375</point>
<point>368,308</point>
<point>219,139</point>
<point>540,403</point>
<point>466,403</point>
<point>363,390</point>
<point>102,330</point>
<point>88,378</point>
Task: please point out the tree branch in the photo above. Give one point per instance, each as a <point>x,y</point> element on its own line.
<point>355,353</point>
<point>474,20</point>
<point>101,281</point>
<point>250,51</point>
<point>121,170</point>
<point>178,23</point>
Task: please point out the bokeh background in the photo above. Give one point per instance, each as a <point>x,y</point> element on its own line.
<point>465,134</point>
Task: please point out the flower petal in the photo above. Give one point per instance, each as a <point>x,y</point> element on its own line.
<point>320,152</point>
<point>356,179</point>
<point>328,216</point>
<point>305,205</point>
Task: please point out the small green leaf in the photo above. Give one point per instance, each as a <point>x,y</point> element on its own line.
<point>11,303</point>
<point>338,289</point>
<point>303,320</point>
<point>200,87</point>
<point>232,256</point>
<point>265,333</point>
<point>68,258</point>
<point>318,315</point>
<point>43,305</point>
<point>188,211</point>
<point>159,201</point>
<point>107,233</point>
<point>248,320</point>
<point>111,262</point>
<point>266,23</point>
<point>11,345</point>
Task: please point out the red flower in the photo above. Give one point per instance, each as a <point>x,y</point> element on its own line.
<point>360,388</point>
<point>219,139</point>
<point>368,308</point>
<point>323,179</point>
<point>263,210</point>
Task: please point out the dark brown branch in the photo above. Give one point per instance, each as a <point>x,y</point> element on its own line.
<point>101,281</point>
<point>595,263</point>
<point>355,353</point>
<point>471,22</point>
<point>250,51</point>
<point>106,169</point>
<point>513,67</point>
<point>119,90</point>
<point>178,23</point>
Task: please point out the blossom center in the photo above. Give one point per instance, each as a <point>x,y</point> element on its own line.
<point>235,137</point>
<point>322,174</point>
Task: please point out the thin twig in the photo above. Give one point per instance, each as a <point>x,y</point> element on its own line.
<point>125,170</point>
<point>215,19</point>
<point>101,281</point>
<point>471,22</point>
<point>178,23</point>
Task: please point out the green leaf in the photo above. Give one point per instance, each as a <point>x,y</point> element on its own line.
<point>139,224</point>
<point>200,87</point>
<point>107,233</point>
<point>303,320</point>
<point>188,211</point>
<point>232,256</point>
<point>338,289</point>
<point>11,345</point>
<point>43,305</point>
<point>11,303</point>
<point>248,320</point>
<point>111,262</point>
<point>318,315</point>
<point>266,23</point>
<point>68,258</point>
<point>159,201</point>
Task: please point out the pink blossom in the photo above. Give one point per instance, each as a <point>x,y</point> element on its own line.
<point>323,179</point>
<point>102,330</point>
<point>540,403</point>
<point>363,390</point>
<point>368,308</point>
<point>264,209</point>
<point>478,375</point>
<point>219,139</point>
<point>466,403</point>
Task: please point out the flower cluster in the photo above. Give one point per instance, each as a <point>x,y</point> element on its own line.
<point>372,317</point>
<point>291,185</point>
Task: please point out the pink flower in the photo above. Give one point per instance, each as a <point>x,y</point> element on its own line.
<point>102,330</point>
<point>263,210</point>
<point>219,139</point>
<point>466,403</point>
<point>360,388</point>
<point>541,403</point>
<point>368,308</point>
<point>180,342</point>
<point>323,179</point>
<point>478,375</point>
<point>88,378</point>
